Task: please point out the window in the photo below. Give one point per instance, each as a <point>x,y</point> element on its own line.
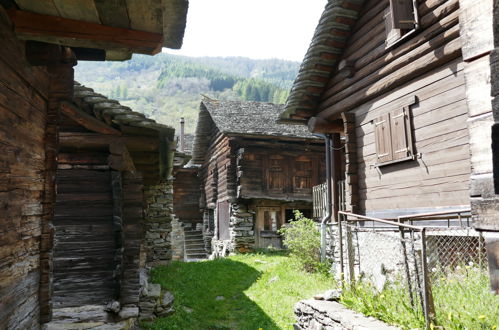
<point>270,220</point>
<point>393,136</point>
<point>277,173</point>
<point>401,19</point>
<point>302,179</point>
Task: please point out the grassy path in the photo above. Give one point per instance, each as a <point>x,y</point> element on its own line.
<point>250,291</point>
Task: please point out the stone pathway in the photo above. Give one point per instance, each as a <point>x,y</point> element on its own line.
<point>92,317</point>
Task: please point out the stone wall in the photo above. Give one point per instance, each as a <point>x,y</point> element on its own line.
<point>177,239</point>
<point>158,223</point>
<point>242,234</point>
<point>330,315</point>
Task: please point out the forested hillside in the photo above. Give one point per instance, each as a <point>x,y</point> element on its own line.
<point>166,87</point>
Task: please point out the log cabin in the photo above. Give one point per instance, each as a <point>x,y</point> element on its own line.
<point>410,86</point>
<point>41,42</point>
<point>253,171</point>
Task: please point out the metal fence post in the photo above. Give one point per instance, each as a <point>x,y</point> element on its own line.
<point>340,239</point>
<point>429,307</point>
<point>350,255</point>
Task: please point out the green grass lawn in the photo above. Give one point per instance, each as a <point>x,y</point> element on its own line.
<point>257,290</point>
<point>462,299</point>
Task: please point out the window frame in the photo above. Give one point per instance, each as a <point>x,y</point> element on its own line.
<point>386,148</point>
<point>395,36</point>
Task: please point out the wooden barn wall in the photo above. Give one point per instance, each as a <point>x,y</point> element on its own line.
<point>23,121</point>
<point>261,169</point>
<point>429,66</point>
<point>218,171</point>
<point>186,196</point>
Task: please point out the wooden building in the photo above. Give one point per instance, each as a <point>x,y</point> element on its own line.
<point>41,42</point>
<point>408,85</point>
<point>254,172</point>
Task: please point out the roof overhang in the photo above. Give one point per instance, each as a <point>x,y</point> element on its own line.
<point>321,59</point>
<point>118,28</point>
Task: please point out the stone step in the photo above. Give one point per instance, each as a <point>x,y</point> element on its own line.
<point>195,251</point>
<point>194,240</point>
<point>194,245</point>
<point>196,255</point>
<point>193,232</point>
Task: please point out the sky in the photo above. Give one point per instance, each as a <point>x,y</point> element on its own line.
<point>251,28</point>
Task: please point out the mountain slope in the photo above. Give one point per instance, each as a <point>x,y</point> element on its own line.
<point>166,87</point>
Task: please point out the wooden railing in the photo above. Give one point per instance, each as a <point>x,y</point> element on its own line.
<point>319,194</point>
<point>320,200</point>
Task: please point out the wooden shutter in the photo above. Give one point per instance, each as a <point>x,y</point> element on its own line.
<point>302,176</point>
<point>400,133</point>
<point>223,219</point>
<point>276,180</point>
<point>402,14</point>
<point>383,138</point>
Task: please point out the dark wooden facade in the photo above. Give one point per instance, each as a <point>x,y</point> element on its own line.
<point>408,141</point>
<point>102,170</point>
<point>415,98</point>
<point>35,79</point>
<point>266,170</point>
<point>187,196</point>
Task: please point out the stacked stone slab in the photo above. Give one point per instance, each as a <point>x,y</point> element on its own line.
<point>331,315</point>
<point>158,223</point>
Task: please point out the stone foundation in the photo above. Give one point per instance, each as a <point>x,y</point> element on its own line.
<point>330,315</point>
<point>154,301</point>
<point>158,223</point>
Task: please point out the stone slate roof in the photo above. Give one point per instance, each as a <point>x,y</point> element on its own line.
<point>322,58</point>
<point>113,113</point>
<point>251,118</point>
<point>242,119</point>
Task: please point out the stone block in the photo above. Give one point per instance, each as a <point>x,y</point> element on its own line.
<point>154,290</point>
<point>129,312</point>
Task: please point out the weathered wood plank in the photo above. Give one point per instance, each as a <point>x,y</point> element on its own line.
<point>83,10</point>
<point>75,33</point>
<point>145,15</point>
<point>86,120</point>
<point>113,13</point>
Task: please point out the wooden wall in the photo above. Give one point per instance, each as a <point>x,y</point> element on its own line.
<point>23,119</point>
<point>427,66</point>
<point>186,196</point>
<point>278,170</point>
<point>219,171</point>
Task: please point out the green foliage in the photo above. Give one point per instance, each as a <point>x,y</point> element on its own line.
<point>166,87</point>
<point>302,238</point>
<point>462,301</point>
<point>259,291</point>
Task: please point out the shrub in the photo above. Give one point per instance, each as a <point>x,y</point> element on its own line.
<point>303,239</point>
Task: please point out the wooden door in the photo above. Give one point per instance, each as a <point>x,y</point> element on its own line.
<point>84,242</point>
<point>268,221</point>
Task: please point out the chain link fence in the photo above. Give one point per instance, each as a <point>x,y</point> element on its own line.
<point>412,253</point>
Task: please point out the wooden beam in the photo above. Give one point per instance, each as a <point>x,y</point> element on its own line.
<point>76,33</point>
<point>89,54</point>
<point>79,140</point>
<point>86,120</point>
<point>120,158</point>
<point>323,126</point>
<point>43,54</point>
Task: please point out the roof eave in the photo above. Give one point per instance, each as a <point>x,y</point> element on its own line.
<point>321,59</point>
